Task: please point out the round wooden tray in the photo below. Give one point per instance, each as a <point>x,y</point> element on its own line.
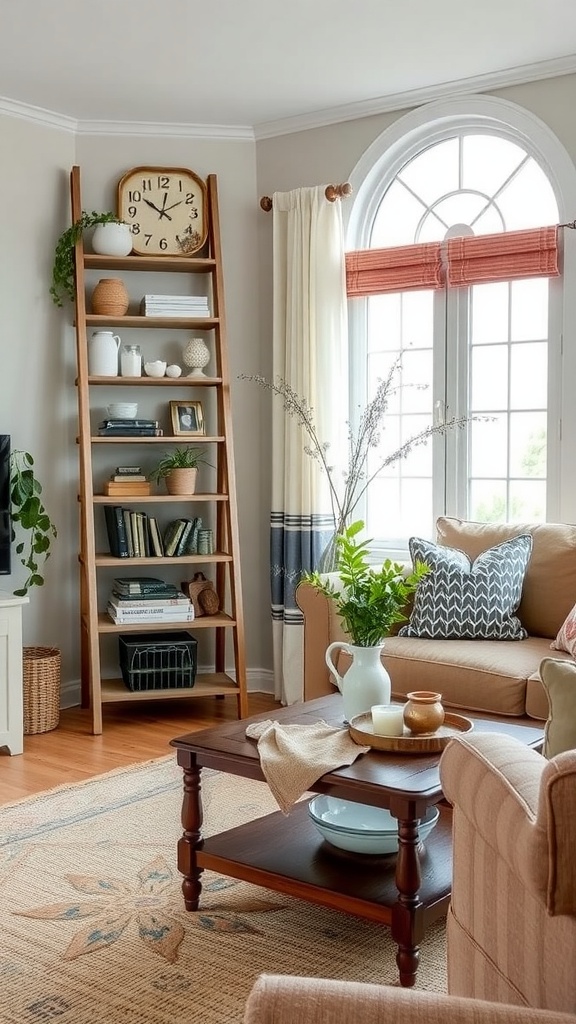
<point>361,731</point>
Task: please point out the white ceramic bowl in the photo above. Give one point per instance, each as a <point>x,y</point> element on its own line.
<point>157,368</point>
<point>123,410</point>
<point>360,828</point>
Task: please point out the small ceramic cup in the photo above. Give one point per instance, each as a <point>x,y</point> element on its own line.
<point>423,711</point>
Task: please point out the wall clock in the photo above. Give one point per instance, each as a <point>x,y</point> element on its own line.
<point>166,209</point>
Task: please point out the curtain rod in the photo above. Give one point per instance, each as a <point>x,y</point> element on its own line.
<point>332,192</point>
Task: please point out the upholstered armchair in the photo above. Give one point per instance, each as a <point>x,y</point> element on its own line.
<point>282,999</point>
<point>512,921</point>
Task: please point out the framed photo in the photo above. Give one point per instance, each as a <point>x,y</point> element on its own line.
<point>187,418</point>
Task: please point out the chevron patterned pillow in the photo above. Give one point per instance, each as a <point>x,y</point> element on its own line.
<point>464,600</point>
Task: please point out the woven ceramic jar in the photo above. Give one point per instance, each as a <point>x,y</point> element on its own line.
<point>423,712</point>
<point>196,355</point>
<point>110,297</point>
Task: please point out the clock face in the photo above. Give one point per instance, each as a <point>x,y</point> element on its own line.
<point>166,209</point>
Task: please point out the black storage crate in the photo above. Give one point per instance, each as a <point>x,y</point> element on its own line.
<point>158,661</point>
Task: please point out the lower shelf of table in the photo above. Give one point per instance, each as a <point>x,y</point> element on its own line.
<point>208,684</point>
<point>286,854</point>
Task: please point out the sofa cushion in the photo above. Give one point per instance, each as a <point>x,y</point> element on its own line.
<point>469,600</point>
<point>549,590</point>
<point>559,681</point>
<point>566,638</point>
<point>488,677</point>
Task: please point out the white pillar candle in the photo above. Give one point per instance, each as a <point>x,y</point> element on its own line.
<point>387,719</point>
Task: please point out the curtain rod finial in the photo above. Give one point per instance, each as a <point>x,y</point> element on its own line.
<point>334,192</point>
<point>266,204</point>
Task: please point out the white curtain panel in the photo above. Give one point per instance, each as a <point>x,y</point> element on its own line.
<point>310,354</point>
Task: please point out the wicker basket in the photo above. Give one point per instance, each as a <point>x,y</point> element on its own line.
<point>41,689</point>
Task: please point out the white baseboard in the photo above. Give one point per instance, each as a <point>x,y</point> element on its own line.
<point>258,680</point>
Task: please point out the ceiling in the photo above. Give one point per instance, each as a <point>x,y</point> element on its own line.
<point>268,65</point>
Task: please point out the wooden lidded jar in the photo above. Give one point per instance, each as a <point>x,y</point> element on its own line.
<point>110,297</point>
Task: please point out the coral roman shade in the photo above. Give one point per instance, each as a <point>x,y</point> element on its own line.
<point>397,269</point>
<point>509,255</point>
<point>458,262</point>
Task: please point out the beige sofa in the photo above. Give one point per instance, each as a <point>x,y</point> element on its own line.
<point>498,677</point>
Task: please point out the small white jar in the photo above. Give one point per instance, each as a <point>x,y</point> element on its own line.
<point>112,239</point>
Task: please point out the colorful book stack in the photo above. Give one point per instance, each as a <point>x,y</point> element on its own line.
<point>147,599</point>
<point>181,537</point>
<point>129,428</point>
<point>127,480</point>
<point>132,534</point>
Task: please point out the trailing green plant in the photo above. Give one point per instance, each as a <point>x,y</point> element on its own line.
<point>179,458</point>
<point>63,267</point>
<point>371,600</point>
<point>28,511</point>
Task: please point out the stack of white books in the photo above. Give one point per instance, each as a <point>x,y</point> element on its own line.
<point>175,305</point>
<point>150,608</point>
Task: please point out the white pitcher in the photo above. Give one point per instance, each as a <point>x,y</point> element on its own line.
<point>103,354</point>
<point>365,683</point>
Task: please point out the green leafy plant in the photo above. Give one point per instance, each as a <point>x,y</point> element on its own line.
<point>370,600</point>
<point>28,511</point>
<point>179,458</point>
<point>63,267</point>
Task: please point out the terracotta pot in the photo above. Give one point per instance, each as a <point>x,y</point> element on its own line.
<point>181,481</point>
<point>423,712</point>
<point>110,297</point>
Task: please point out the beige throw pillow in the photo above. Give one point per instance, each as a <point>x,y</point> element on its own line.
<point>566,639</point>
<point>559,681</point>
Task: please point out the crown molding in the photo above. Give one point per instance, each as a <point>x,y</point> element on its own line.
<point>304,122</point>
<point>417,97</point>
<point>149,129</point>
<point>26,112</point>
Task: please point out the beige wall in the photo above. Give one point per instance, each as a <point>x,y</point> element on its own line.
<point>37,393</point>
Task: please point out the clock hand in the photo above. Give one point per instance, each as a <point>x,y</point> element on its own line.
<point>162,212</point>
<point>148,203</point>
<point>173,205</point>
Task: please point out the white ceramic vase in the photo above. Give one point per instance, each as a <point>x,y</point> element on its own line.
<point>112,239</point>
<point>366,682</point>
<point>103,354</point>
<point>197,356</point>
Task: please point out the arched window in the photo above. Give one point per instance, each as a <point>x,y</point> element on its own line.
<point>490,352</point>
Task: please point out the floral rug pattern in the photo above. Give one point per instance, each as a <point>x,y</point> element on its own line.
<point>94,926</point>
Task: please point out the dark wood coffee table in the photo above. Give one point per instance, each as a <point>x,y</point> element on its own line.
<point>406,891</point>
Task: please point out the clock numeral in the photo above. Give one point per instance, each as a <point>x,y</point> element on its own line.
<point>132,211</point>
<point>163,181</point>
<point>134,196</point>
<point>135,228</point>
<point>147,239</point>
<point>193,213</point>
<point>146,184</point>
<point>163,243</point>
<point>189,198</point>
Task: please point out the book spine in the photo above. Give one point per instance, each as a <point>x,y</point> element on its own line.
<point>111,530</point>
<point>121,470</point>
<point>157,546</point>
<point>135,534</point>
<point>121,532</point>
<point>129,424</point>
<point>172,535</point>
<point>121,478</point>
<point>159,615</point>
<point>128,528</point>
<point>164,602</point>
<point>181,546</point>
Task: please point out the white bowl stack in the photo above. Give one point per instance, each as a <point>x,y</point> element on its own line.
<point>361,828</point>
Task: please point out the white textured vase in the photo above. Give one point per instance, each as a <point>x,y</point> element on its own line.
<point>112,239</point>
<point>197,356</point>
<point>365,683</point>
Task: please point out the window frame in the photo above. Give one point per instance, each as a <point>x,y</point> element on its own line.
<point>374,173</point>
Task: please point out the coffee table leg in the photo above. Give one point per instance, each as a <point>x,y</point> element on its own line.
<point>406,921</point>
<point>192,818</point>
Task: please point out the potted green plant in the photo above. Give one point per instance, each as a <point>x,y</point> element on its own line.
<point>369,601</point>
<point>28,511</point>
<point>179,469</point>
<point>63,267</point>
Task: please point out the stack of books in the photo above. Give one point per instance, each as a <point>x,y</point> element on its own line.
<point>127,480</point>
<point>175,305</point>
<point>129,428</point>
<point>147,599</point>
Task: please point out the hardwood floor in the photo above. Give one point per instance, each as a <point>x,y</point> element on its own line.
<point>132,734</point>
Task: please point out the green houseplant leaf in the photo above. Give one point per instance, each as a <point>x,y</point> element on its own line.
<point>27,512</point>
<point>63,267</point>
<point>179,458</point>
<point>371,600</point>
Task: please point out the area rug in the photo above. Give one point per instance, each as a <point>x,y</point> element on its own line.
<point>93,926</point>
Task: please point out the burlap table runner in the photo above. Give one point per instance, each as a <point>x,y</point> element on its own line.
<point>293,757</point>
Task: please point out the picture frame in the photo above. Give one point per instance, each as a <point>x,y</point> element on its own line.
<point>187,418</point>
